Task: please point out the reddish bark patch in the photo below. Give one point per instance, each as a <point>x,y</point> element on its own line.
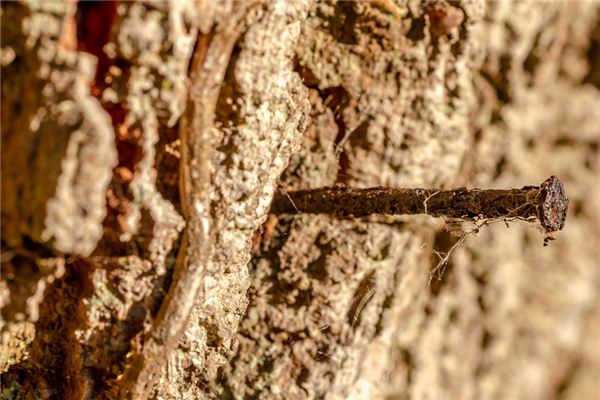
<point>443,18</point>
<point>94,23</point>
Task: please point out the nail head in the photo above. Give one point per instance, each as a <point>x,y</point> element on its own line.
<point>554,204</point>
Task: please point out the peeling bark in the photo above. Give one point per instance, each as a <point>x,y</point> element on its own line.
<point>68,140</point>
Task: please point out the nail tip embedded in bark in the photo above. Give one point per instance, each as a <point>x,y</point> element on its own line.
<point>552,211</point>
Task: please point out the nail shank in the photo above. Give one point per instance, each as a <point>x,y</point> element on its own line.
<point>546,202</point>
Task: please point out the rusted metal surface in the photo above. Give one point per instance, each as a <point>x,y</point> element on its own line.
<point>547,202</point>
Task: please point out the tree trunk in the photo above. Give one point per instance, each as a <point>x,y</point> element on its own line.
<point>142,145</point>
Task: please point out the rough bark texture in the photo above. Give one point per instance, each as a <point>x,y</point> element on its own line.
<point>142,144</point>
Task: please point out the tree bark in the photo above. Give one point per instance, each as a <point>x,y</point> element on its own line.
<point>142,146</point>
